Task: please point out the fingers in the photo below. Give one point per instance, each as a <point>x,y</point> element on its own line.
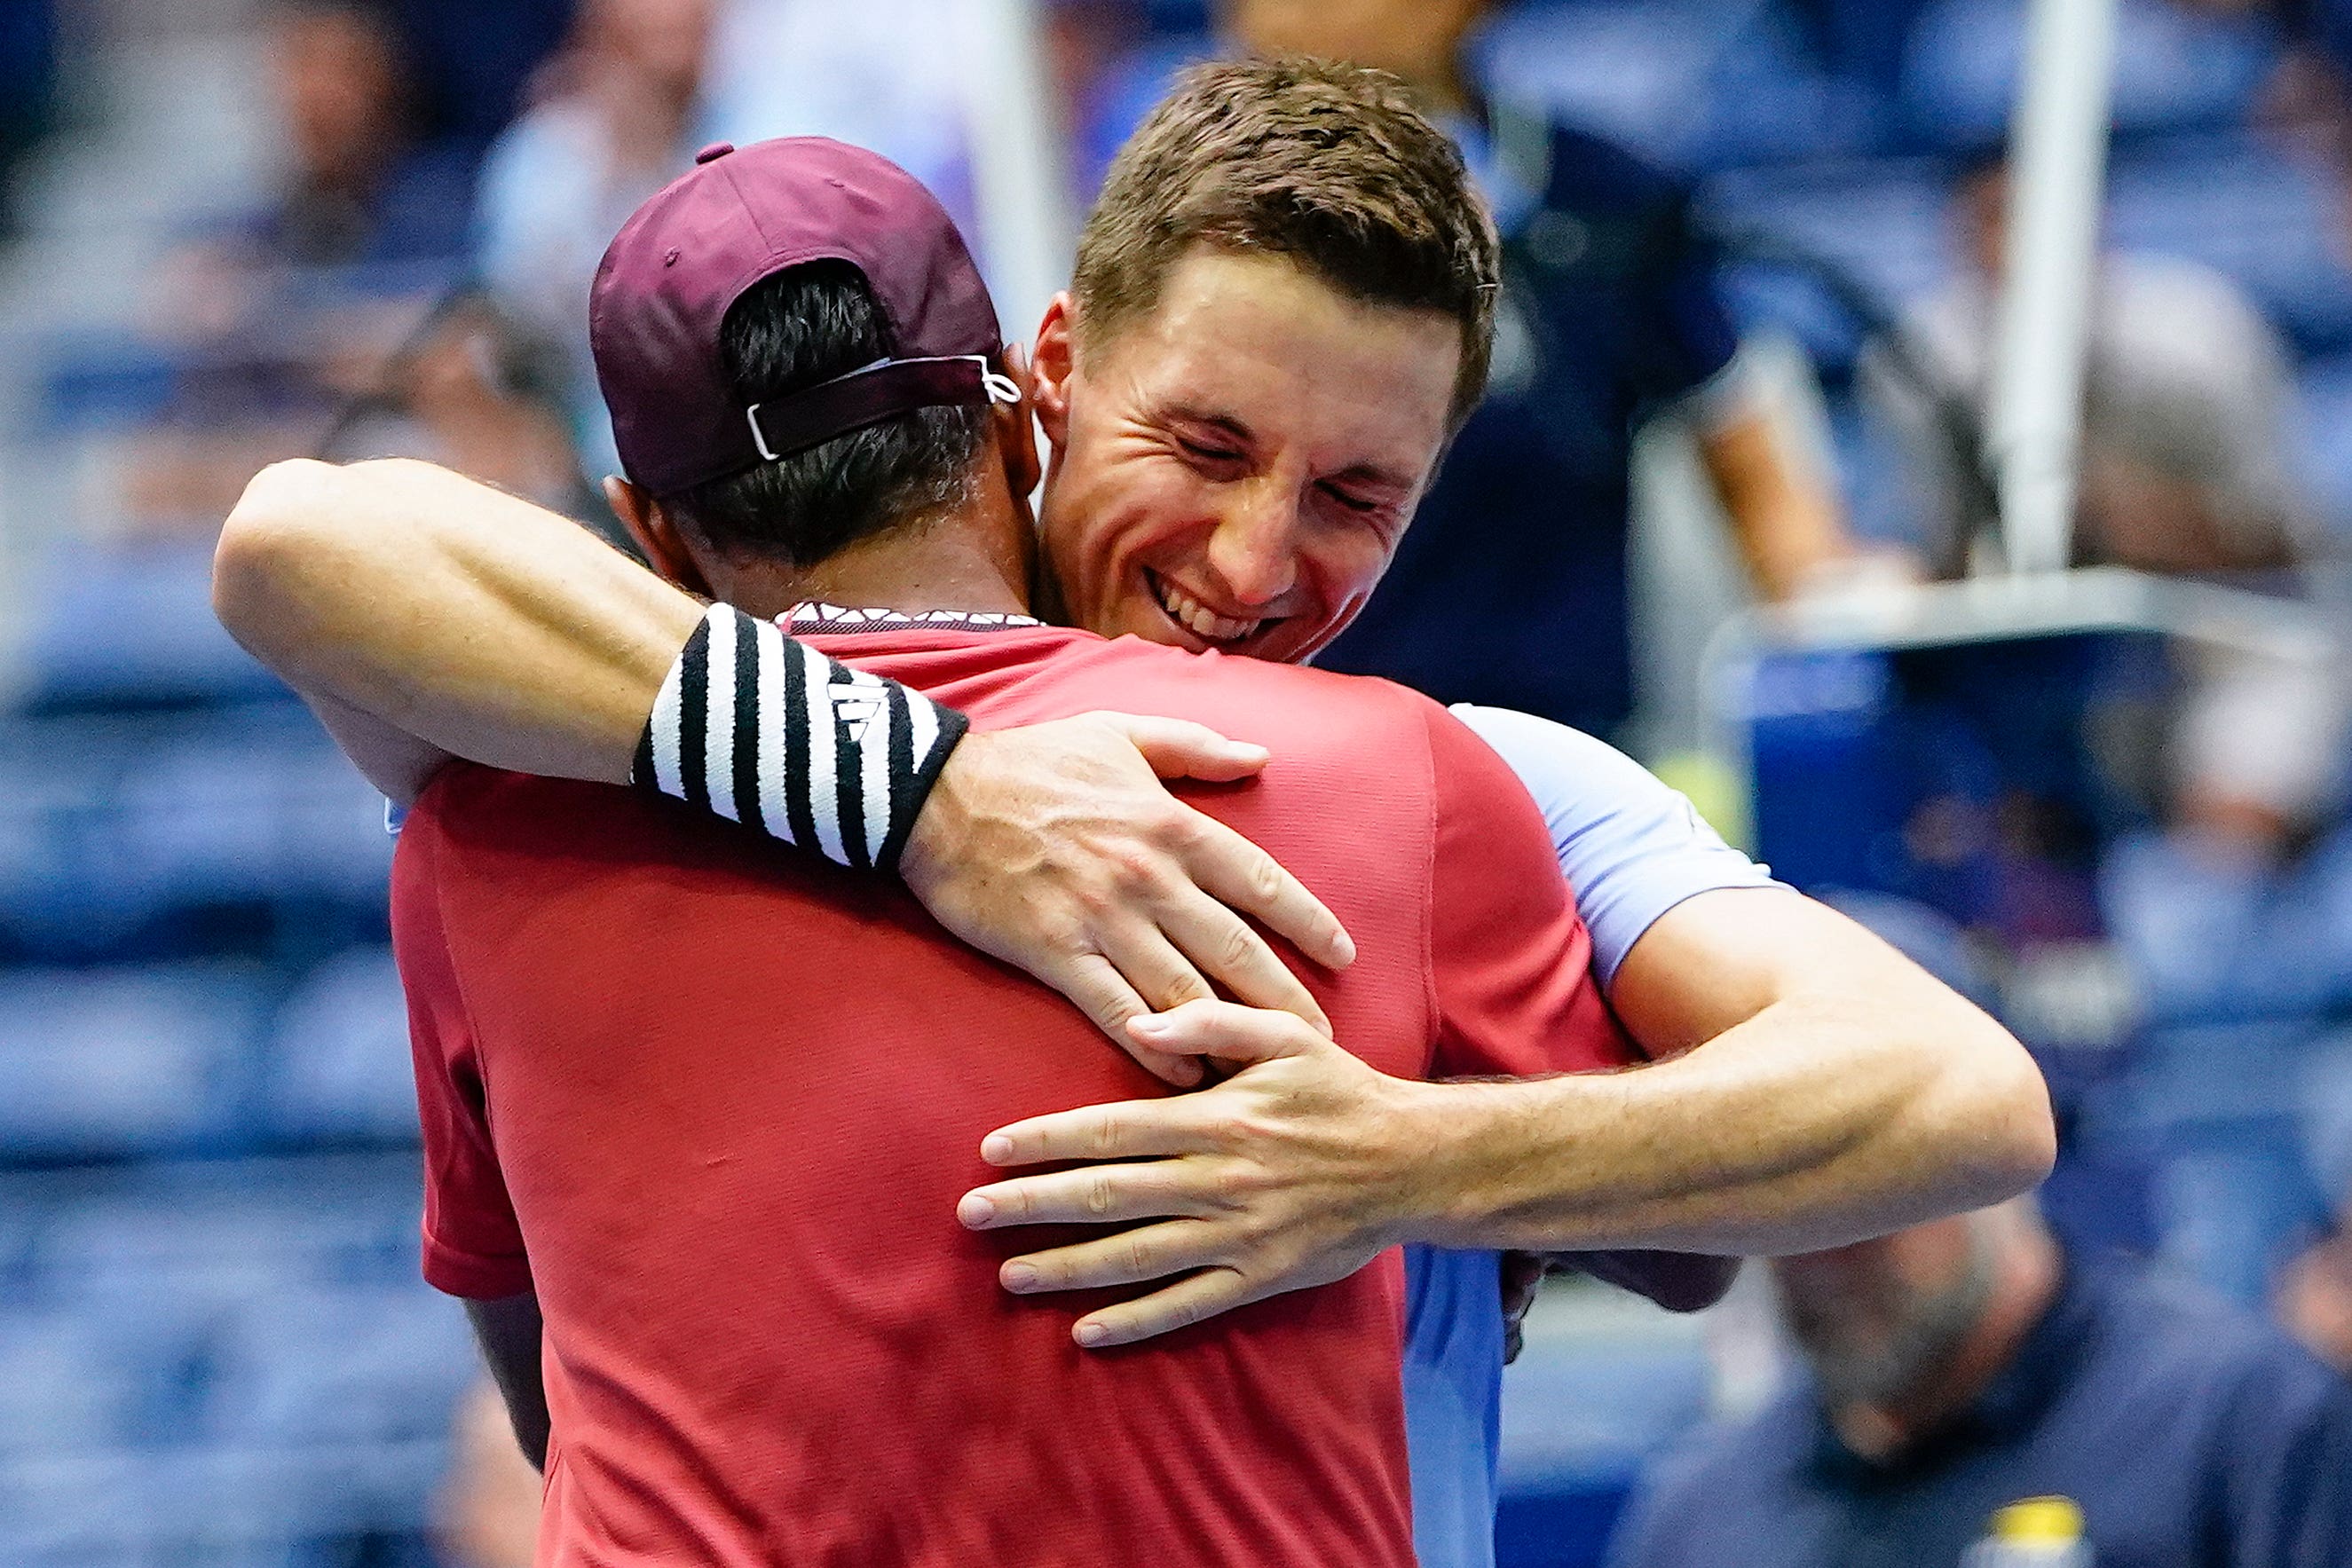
<point>1236,871</point>
<point>1101,991</point>
<point>1230,951</point>
<point>1092,1194</point>
<point>1181,1305</point>
<point>1130,1257</point>
<point>1178,748</point>
<point>1228,1031</point>
<point>1151,964</point>
<point>1127,1130</point>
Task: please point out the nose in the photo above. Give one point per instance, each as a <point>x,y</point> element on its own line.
<point>1254,550</point>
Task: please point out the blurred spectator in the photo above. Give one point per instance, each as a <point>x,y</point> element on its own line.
<point>892,75</point>
<point>488,1509</point>
<point>28,76</point>
<point>358,187</point>
<point>2188,390</point>
<point>468,391</point>
<point>1510,587</point>
<point>273,319</point>
<point>2185,470</point>
<point>475,59</point>
<point>622,117</point>
<point>2316,1299</point>
<point>1978,1397</point>
<point>2315,1290</point>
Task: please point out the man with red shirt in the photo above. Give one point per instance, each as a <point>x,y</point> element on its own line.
<point>746,1357</point>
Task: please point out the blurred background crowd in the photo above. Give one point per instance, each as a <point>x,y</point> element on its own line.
<point>233,231</point>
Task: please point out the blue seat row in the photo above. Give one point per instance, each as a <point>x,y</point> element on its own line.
<point>113,823</point>
<point>202,1057</point>
<point>2257,213</point>
<point>130,624</point>
<point>224,1507</point>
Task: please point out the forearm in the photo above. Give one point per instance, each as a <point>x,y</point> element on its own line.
<point>477,622</point>
<point>1815,1122</point>
<point>1787,525</point>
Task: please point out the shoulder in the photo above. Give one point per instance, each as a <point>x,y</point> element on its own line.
<point>1631,846</point>
<point>2149,285</point>
<point>2165,316</point>
<point>543,165</point>
<point>2171,1340</point>
<point>1315,707</point>
<point>1578,773</point>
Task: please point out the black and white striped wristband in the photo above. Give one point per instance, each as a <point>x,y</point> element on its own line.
<point>766,731</point>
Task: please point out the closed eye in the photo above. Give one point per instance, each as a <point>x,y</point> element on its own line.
<point>1350,500</point>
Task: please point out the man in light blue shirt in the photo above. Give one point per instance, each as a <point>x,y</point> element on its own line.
<point>1631,849</point>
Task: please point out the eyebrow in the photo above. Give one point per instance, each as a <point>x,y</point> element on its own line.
<point>1225,422</point>
<point>1374,473</point>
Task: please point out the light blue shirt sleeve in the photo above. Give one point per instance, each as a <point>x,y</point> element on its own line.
<point>1631,847</point>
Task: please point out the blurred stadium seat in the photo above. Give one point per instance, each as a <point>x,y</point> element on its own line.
<point>228,1361</point>
<point>138,1062</point>
<point>131,627</point>
<point>339,1057</point>
<point>2175,70</point>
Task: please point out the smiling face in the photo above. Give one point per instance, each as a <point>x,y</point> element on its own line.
<point>1232,468</point>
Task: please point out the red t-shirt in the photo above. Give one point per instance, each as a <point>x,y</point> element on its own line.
<point>715,1100</point>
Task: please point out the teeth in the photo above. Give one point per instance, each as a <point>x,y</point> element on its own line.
<point>1203,623</point>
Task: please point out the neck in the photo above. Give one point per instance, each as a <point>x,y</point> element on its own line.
<point>2025,1283</point>
<point>975,559</point>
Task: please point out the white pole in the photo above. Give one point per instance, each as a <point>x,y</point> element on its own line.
<point>1020,164</point>
<point>2057,164</point>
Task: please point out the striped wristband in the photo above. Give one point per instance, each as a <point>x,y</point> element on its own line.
<point>766,731</point>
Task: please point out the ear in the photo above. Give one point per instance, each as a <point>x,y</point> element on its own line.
<point>657,533</point>
<point>1016,431</point>
<point>1052,365</point>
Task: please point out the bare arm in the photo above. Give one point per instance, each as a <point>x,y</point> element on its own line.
<point>1839,1092</point>
<point>508,1332</point>
<point>1786,527</point>
<point>425,616</point>
<point>1815,1087</point>
<point>399,596</point>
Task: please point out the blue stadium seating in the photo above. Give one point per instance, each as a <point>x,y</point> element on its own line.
<point>339,1065</point>
<point>131,625</point>
<point>229,1362</point>
<point>2174,69</point>
<point>111,823</point>
<point>137,1062</point>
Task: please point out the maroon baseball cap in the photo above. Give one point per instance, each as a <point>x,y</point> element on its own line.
<point>741,215</point>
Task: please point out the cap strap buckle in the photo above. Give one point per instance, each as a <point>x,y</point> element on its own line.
<point>871,394</point>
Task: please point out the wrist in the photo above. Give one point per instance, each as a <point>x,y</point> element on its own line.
<point>754,727</point>
<point>1510,1163</point>
<point>939,826</point>
<point>1429,1143</point>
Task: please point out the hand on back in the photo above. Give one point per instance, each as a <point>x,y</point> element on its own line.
<point>1056,848</point>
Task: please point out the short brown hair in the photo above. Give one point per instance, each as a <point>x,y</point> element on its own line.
<point>1326,163</point>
